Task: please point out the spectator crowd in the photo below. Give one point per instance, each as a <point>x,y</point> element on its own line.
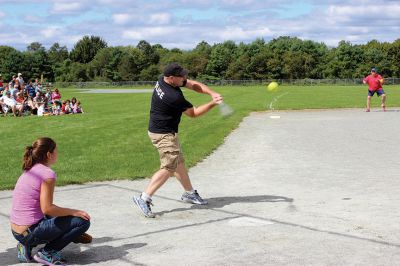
<point>31,98</point>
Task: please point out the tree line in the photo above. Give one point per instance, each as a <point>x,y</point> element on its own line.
<point>91,59</point>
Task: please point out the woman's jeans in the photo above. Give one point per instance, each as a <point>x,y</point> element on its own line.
<point>55,232</point>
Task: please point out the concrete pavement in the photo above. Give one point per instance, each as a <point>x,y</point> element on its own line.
<point>286,188</point>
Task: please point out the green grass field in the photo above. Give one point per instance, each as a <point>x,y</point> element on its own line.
<point>110,140</point>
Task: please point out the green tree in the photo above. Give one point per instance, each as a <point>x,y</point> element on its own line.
<point>376,54</point>
<point>72,72</point>
<point>296,64</point>
<point>149,52</point>
<point>173,55</point>
<point>35,47</point>
<point>394,57</point>
<point>8,59</point>
<point>87,48</point>
<point>237,69</point>
<point>344,60</point>
<point>57,54</point>
<point>36,63</point>
<point>150,74</point>
<point>221,56</point>
<point>104,65</point>
<point>130,63</point>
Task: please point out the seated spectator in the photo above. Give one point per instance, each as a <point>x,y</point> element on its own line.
<point>8,103</point>
<point>6,89</point>
<point>27,103</point>
<point>56,102</point>
<point>38,87</point>
<point>20,100</point>
<point>73,105</point>
<point>39,101</point>
<point>13,81</point>
<point>30,89</point>
<point>16,84</point>
<point>31,106</point>
<point>47,100</point>
<point>14,91</point>
<point>79,109</point>
<point>1,84</point>
<point>66,107</point>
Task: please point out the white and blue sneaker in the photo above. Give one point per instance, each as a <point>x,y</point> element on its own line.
<point>193,198</point>
<point>144,206</point>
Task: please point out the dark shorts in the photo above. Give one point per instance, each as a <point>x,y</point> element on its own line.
<point>378,92</point>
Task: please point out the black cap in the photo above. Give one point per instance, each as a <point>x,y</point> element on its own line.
<point>174,69</point>
<point>373,69</point>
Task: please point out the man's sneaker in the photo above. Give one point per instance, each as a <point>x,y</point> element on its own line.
<point>193,198</point>
<point>83,239</point>
<point>24,253</point>
<point>383,107</point>
<point>367,110</point>
<point>49,257</point>
<point>144,206</point>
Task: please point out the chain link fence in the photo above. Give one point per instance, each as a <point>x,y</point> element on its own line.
<point>294,82</point>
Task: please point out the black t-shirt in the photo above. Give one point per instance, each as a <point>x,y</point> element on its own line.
<point>167,106</point>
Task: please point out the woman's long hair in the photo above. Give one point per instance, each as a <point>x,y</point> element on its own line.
<point>37,153</point>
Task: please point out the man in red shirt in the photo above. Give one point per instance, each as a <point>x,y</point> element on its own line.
<point>374,81</point>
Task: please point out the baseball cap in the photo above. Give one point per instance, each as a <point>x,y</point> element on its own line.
<point>174,69</point>
<point>373,69</point>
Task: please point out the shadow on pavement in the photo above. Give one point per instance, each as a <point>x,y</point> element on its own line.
<point>9,256</point>
<point>220,202</point>
<point>98,254</point>
<point>74,255</point>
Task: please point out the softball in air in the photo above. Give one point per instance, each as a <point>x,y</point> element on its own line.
<point>272,86</point>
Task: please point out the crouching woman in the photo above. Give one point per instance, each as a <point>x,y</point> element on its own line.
<point>34,218</point>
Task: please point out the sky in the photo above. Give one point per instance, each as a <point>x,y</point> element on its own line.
<point>185,23</point>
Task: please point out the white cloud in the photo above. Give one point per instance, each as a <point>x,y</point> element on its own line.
<point>152,19</point>
<point>66,7</point>
<point>51,32</point>
<point>122,18</point>
<point>146,33</point>
<point>352,12</point>
<point>181,23</point>
<point>69,40</point>
<point>160,18</point>
<point>240,34</point>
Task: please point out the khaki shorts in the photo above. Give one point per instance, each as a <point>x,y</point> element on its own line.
<point>169,148</point>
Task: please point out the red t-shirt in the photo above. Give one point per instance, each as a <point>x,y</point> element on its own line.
<point>373,82</point>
